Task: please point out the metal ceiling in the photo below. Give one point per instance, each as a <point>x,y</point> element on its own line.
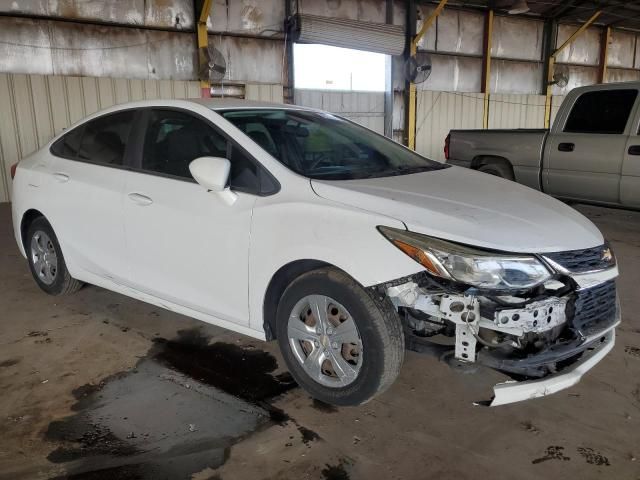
<point>615,13</point>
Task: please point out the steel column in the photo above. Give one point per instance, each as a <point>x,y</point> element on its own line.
<point>388,75</point>
<point>486,66</point>
<point>604,54</point>
<point>203,42</point>
<point>413,49</point>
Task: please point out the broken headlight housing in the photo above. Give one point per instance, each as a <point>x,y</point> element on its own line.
<point>481,269</point>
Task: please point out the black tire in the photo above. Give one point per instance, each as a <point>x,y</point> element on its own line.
<point>379,328</point>
<point>498,169</point>
<point>63,283</point>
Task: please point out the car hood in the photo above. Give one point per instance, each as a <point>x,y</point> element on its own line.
<point>469,207</point>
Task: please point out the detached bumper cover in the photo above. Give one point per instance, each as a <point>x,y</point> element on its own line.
<point>598,346</point>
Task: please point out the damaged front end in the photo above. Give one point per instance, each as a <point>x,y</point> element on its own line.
<point>544,333</point>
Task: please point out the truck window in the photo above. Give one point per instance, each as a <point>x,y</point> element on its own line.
<point>604,111</point>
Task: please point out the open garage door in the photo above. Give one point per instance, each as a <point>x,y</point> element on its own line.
<point>371,37</point>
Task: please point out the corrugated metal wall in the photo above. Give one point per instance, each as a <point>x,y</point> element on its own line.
<point>264,92</point>
<point>516,111</point>
<point>365,108</point>
<point>34,108</point>
<point>439,112</point>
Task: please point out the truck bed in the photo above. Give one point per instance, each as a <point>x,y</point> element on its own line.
<point>521,147</point>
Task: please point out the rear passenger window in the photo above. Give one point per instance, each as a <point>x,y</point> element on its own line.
<point>69,144</point>
<point>604,111</point>
<point>104,139</point>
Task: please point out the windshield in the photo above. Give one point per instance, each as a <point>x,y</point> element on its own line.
<point>323,146</point>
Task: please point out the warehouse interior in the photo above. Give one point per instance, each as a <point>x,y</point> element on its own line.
<point>99,385</point>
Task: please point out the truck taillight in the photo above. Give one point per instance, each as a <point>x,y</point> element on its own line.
<point>13,170</point>
<point>446,146</point>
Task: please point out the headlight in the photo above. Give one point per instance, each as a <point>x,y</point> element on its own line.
<point>467,265</point>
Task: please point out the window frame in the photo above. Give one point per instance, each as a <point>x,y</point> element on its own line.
<point>628,123</point>
<point>128,149</point>
<point>137,139</point>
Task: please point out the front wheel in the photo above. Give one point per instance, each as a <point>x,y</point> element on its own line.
<point>340,344</point>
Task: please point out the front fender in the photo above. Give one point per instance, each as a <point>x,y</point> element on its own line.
<point>286,231</point>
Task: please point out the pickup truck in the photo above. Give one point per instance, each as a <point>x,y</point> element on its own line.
<point>591,154</point>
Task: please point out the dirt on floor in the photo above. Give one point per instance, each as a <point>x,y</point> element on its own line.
<point>100,386</point>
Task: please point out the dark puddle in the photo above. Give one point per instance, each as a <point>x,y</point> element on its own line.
<point>335,472</point>
<point>9,363</point>
<point>176,413</point>
<point>242,372</point>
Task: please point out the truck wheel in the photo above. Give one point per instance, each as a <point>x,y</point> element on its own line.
<point>498,169</point>
<point>46,262</point>
<point>340,344</point>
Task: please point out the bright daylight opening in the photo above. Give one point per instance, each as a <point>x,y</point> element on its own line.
<point>334,68</point>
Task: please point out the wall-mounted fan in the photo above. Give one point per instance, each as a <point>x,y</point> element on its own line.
<point>417,69</point>
<point>213,65</point>
<point>560,78</point>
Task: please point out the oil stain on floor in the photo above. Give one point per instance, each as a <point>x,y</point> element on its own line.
<point>178,412</point>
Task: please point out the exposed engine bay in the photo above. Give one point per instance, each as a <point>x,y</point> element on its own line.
<point>526,335</point>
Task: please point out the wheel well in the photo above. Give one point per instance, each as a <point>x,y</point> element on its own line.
<point>477,162</point>
<point>279,282</point>
<point>28,217</point>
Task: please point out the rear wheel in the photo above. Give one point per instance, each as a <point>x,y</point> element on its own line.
<point>46,262</point>
<point>339,343</point>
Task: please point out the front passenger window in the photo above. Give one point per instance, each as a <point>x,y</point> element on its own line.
<point>601,112</point>
<point>174,139</point>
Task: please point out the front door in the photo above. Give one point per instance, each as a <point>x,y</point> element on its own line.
<point>630,181</point>
<point>187,245</point>
<point>584,159</point>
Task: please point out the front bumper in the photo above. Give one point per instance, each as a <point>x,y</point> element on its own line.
<point>597,347</point>
<point>591,312</point>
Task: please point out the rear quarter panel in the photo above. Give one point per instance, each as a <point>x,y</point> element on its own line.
<point>28,189</point>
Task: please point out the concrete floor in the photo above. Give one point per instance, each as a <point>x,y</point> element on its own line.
<point>97,385</point>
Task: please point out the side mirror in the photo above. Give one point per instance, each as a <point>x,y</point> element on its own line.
<point>211,172</point>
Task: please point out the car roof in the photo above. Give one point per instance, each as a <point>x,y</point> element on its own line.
<point>235,103</point>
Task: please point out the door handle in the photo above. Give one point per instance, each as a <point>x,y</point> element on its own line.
<point>566,147</point>
<point>61,177</point>
<point>634,150</point>
<point>140,199</point>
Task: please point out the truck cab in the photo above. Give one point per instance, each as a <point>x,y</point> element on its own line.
<point>593,150</point>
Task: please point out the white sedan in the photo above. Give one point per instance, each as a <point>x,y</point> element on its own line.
<point>286,223</point>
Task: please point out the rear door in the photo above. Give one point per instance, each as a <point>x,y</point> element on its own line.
<point>187,245</point>
<point>88,178</point>
<point>583,157</point>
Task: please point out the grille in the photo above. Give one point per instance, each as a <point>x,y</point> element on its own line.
<point>595,308</point>
<point>580,261</point>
